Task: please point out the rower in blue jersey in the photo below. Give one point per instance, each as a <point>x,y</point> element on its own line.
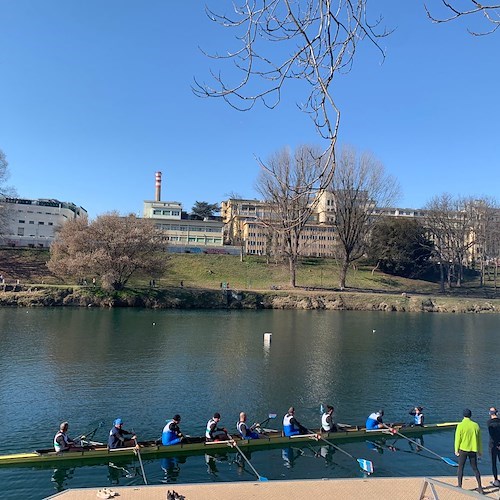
<point>243,429</point>
<point>418,416</point>
<point>375,421</point>
<point>291,426</point>
<point>171,432</point>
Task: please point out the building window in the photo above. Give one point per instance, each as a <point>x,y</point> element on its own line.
<point>51,223</point>
<point>31,221</point>
<point>41,223</point>
<point>20,231</point>
<point>21,221</point>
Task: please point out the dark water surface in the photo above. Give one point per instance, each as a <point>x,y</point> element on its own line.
<point>87,365</point>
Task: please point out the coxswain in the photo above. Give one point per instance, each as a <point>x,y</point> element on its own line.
<point>291,426</point>
<point>171,432</point>
<point>213,433</point>
<point>245,431</point>
<point>418,416</point>
<point>117,436</point>
<point>327,424</point>
<point>62,442</point>
<point>375,421</point>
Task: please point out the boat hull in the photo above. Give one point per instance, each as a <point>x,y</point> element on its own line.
<point>153,450</point>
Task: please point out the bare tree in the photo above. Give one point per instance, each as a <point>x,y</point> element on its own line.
<point>111,247</point>
<point>456,9</point>
<point>486,221</point>
<point>452,225</point>
<point>289,184</point>
<point>359,186</point>
<point>5,191</point>
<point>293,40</point>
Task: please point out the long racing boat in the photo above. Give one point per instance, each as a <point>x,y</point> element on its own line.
<point>97,452</point>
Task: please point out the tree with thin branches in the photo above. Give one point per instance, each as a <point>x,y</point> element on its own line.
<point>285,41</point>
<point>111,247</point>
<point>360,186</point>
<point>490,11</point>
<point>288,184</point>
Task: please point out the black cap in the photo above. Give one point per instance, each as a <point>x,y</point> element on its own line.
<point>177,417</point>
<point>467,413</point>
<point>216,415</point>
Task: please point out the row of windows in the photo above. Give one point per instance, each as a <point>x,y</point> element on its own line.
<point>174,213</point>
<point>192,239</point>
<point>40,223</point>
<point>20,232</point>
<point>194,229</point>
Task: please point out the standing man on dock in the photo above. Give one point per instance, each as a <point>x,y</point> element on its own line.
<point>494,431</point>
<point>468,445</point>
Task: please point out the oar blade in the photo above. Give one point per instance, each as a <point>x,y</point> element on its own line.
<point>449,461</point>
<point>366,465</point>
<point>272,415</point>
<point>263,479</point>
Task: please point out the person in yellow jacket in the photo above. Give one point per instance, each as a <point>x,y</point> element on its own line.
<point>468,445</point>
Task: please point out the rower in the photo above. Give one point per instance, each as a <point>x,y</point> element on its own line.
<point>418,416</point>
<point>171,432</point>
<point>117,436</point>
<point>375,421</point>
<point>291,426</point>
<point>327,424</point>
<point>62,442</point>
<point>213,433</point>
<point>245,431</point>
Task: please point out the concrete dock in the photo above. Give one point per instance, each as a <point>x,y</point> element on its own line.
<point>409,488</point>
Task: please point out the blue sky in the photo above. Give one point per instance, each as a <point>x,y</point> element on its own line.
<point>95,97</point>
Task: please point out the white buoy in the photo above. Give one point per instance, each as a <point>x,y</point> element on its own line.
<point>267,338</point>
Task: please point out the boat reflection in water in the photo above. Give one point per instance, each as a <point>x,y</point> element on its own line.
<point>170,466</point>
<point>61,476</point>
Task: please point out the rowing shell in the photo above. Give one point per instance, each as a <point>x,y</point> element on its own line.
<point>152,449</point>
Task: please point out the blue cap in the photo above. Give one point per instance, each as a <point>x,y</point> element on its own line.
<point>118,421</point>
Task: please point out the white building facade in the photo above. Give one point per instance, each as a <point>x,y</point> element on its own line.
<point>34,223</point>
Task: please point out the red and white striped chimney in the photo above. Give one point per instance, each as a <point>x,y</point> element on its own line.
<point>158,186</point>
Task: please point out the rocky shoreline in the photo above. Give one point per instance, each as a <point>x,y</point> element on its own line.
<point>184,298</point>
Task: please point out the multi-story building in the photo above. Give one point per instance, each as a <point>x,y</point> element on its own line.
<point>246,223</point>
<point>34,223</point>
<point>184,233</point>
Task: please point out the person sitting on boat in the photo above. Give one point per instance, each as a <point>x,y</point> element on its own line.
<point>327,423</point>
<point>117,436</point>
<point>245,431</point>
<point>62,442</point>
<point>291,426</point>
<point>418,416</point>
<point>375,421</point>
<point>213,433</point>
<point>171,432</point>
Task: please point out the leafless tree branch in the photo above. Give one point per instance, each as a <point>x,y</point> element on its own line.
<point>490,12</point>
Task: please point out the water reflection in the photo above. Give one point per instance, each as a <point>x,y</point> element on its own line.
<point>62,364</point>
<point>61,477</point>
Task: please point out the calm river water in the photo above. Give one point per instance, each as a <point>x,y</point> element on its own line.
<point>87,365</point>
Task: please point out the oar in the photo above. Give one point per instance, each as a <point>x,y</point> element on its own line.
<point>269,417</point>
<point>233,443</point>
<point>447,460</point>
<point>366,465</point>
<point>89,435</point>
<point>138,452</point>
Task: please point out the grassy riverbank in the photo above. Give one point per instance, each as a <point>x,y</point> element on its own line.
<point>195,281</point>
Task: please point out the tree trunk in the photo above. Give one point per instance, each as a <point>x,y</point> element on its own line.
<point>293,270</point>
<point>343,273</point>
<point>441,277</point>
